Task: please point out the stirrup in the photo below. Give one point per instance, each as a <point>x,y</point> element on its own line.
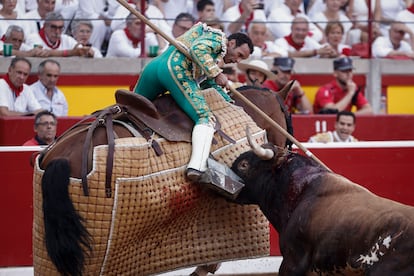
<point>221,179</point>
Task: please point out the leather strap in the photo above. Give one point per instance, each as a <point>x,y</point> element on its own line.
<point>288,117</point>
<point>110,156</point>
<point>145,131</point>
<point>104,118</point>
<point>220,132</point>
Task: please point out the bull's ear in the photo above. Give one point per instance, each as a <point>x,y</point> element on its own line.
<point>286,89</point>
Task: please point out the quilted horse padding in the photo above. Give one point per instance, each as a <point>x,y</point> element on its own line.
<point>155,220</point>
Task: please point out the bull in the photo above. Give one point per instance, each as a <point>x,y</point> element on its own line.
<point>327,224</point>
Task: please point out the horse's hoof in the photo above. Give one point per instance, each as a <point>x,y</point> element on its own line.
<point>203,270</point>
<point>193,175</point>
<point>212,267</point>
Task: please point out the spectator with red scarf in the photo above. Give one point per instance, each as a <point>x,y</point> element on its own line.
<point>296,101</point>
<point>51,38</point>
<point>280,20</point>
<point>16,97</point>
<point>126,42</point>
<point>299,44</point>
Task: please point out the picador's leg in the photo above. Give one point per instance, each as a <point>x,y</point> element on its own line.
<point>201,143</point>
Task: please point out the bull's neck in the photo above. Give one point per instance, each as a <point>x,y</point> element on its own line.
<point>293,177</point>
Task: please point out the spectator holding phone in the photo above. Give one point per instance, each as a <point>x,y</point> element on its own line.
<point>81,32</point>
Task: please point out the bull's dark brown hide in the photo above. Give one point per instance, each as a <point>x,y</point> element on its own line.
<point>327,224</point>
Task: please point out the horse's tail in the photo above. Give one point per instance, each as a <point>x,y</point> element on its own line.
<point>67,240</point>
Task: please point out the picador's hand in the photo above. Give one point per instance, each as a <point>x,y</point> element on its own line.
<point>221,79</point>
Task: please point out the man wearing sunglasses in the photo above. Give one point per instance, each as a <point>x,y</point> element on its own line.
<point>296,100</point>
<point>52,39</point>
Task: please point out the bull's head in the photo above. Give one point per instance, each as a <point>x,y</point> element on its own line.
<point>251,166</point>
<point>248,160</point>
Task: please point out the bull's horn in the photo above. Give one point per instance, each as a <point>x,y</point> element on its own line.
<point>262,153</point>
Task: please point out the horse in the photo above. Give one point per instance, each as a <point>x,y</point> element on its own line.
<point>78,223</point>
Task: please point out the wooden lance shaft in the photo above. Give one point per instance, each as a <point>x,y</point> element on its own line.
<point>233,90</point>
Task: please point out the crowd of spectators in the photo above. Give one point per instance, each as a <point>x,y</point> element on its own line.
<point>282,28</point>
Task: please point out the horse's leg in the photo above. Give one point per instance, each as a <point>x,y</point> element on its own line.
<point>203,270</point>
<point>64,232</point>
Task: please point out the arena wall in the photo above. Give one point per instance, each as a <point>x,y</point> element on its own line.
<point>383,167</point>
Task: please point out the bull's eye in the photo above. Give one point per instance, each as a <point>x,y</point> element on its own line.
<point>243,166</point>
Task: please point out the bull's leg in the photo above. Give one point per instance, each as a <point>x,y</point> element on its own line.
<point>205,269</point>
<point>297,264</point>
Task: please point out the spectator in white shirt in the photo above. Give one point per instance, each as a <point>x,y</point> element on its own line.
<point>51,38</point>
<point>389,11</point>
<point>182,23</point>
<point>299,44</point>
<point>332,13</point>
<point>68,9</point>
<point>393,45</point>
<point>16,97</point>
<point>334,32</point>
<point>8,15</point>
<point>262,47</point>
<point>15,36</point>
<point>34,20</point>
<point>238,17</point>
<point>100,12</point>
<point>151,12</point>
<point>81,32</point>
<point>407,16</point>
<point>280,20</point>
<point>171,8</point>
<point>127,42</point>
<point>49,96</point>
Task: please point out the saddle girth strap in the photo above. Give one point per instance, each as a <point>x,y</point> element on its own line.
<point>103,118</point>
<point>110,156</point>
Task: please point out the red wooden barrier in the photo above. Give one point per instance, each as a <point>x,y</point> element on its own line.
<point>14,131</point>
<point>368,127</point>
<point>16,209</point>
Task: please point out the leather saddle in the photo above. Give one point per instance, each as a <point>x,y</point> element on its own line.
<point>163,115</point>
